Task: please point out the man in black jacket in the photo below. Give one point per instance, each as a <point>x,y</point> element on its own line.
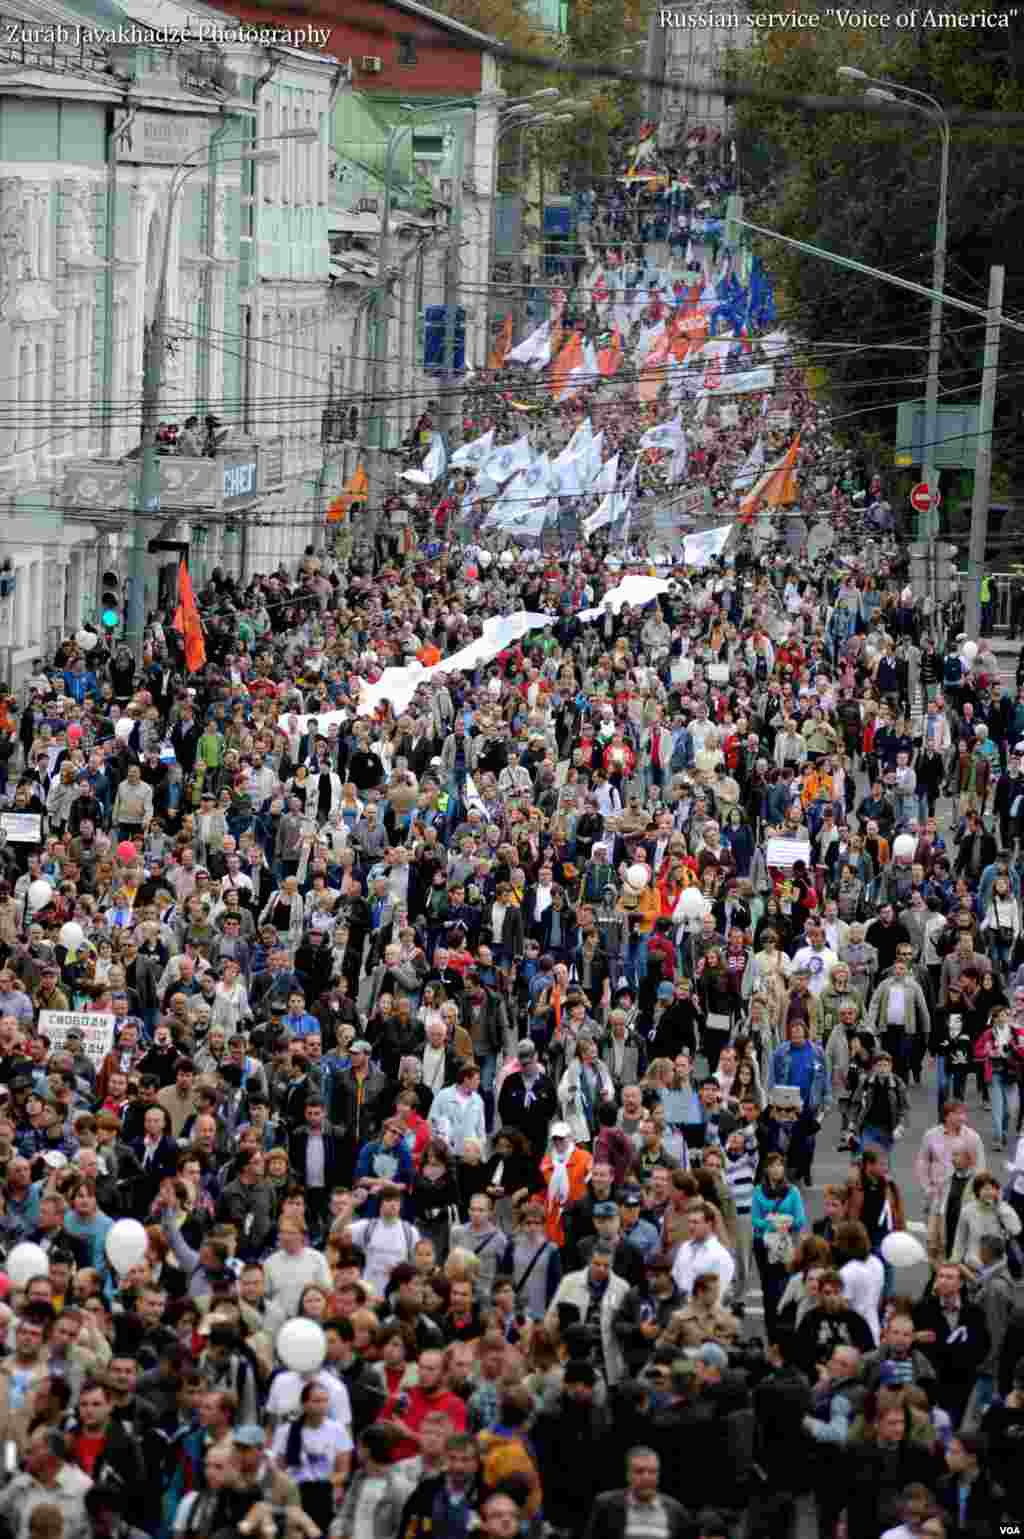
<point>527,1100</point>
<point>954,1337</point>
<point>610,1517</point>
<point>781,1401</point>
<point>316,1152</point>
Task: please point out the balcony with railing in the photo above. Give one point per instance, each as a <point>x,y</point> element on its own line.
<point>235,476</point>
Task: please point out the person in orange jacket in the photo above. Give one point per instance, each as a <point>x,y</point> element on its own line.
<point>566,1172</point>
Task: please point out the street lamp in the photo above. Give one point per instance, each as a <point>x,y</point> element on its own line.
<point>933,110</point>
<point>154,349</point>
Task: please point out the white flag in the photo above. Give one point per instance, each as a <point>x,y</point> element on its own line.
<point>606,477</point>
<point>471,797</point>
<point>508,505</point>
<point>536,346</point>
<point>680,461</point>
<point>665,436</point>
<point>434,466</point>
<point>750,469</point>
<point>509,459</point>
<point>580,439</point>
<point>474,454</point>
<point>590,364</point>
<point>607,513</point>
<point>590,462</point>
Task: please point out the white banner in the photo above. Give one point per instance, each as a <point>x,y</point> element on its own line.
<point>97,1031</point>
<point>699,549</point>
<point>729,416</point>
<point>783,853</point>
<point>744,383</point>
<point>22,827</point>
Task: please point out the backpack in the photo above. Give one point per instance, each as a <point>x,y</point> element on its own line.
<point>952,670</point>
<point>407,1231</point>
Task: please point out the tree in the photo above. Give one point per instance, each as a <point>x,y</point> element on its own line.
<point>866,187</point>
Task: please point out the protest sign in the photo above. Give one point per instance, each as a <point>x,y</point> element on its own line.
<point>682,670</point>
<point>97,1031</point>
<point>22,827</point>
<point>729,416</point>
<point>718,673</point>
<point>784,853</point>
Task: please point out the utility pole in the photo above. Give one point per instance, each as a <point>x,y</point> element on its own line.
<point>451,396</point>
<point>983,455</point>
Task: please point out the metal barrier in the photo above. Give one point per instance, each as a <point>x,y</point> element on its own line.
<point>1007,614</point>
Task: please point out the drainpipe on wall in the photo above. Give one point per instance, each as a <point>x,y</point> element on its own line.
<point>206,309</point>
<point>114,132</point>
<point>264,79</point>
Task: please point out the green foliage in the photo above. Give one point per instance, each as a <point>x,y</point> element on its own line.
<point>866,186</point>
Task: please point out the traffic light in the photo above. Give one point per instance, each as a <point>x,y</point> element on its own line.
<point>111,601</point>
<point>945,571</point>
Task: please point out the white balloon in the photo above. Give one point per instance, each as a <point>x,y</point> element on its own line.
<point>126,1245</point>
<point>484,559</point>
<point>71,935</point>
<point>638,877</point>
<point>301,1345</point>
<point>692,904</point>
<point>903,1249</point>
<point>39,895</point>
<point>907,596</point>
<point>904,845</point>
<point>969,650</point>
<point>25,1262</point>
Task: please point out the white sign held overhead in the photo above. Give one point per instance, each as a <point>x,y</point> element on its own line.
<point>729,415</point>
<point>22,827</point>
<point>97,1031</point>
<point>784,853</point>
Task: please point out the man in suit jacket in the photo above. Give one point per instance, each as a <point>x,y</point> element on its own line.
<point>610,1514</point>
<point>157,1154</point>
<point>317,1153</point>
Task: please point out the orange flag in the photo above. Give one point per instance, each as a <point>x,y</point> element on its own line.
<point>502,343</point>
<point>609,359</point>
<point>355,491</point>
<point>777,488</point>
<point>188,623</point>
<point>571,357</point>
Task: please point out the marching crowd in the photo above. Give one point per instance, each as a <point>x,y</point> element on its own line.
<point>465,1066</point>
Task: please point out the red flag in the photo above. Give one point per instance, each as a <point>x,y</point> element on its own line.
<point>188,623</point>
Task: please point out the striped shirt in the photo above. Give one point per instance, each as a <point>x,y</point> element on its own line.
<point>646,1520</point>
<point>740,1171</point>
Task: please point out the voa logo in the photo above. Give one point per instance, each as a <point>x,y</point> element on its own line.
<point>1009,1528</point>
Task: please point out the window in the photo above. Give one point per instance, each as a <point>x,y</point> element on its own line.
<point>406,50</point>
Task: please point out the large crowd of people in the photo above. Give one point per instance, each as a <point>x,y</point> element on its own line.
<point>465,1064</point>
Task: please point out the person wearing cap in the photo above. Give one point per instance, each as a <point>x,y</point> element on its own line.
<point>648,1310</point>
<point>49,995</point>
<point>528,1100</point>
<point>565,1171</point>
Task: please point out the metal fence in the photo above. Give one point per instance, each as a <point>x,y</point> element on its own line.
<point>1006,617</point>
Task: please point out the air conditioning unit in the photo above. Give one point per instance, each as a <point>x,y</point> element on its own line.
<point>371,64</point>
<point>367,206</point>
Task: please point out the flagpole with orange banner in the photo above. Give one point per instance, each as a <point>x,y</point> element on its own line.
<point>502,346</point>
<point>187,622</point>
<point>355,491</point>
<point>570,357</point>
<point>776,489</point>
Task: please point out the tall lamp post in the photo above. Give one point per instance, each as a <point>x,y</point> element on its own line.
<point>933,110</point>
<point>154,351</point>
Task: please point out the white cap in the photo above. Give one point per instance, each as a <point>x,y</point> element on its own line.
<point>561,1130</point>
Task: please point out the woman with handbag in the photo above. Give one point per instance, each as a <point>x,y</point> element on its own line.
<point>1001,1049</point>
<point>984,1214</point>
<point>1002,921</point>
<point>778,1219</point>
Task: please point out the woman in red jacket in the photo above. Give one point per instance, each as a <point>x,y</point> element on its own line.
<point>619,760</point>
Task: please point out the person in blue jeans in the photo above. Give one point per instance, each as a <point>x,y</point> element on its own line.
<point>878,1107</point>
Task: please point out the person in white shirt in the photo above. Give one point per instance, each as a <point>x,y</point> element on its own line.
<point>815,958</point>
<point>702,1252</point>
<point>386,1239</point>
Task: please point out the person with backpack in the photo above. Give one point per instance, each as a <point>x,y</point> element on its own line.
<point>386,1239</point>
